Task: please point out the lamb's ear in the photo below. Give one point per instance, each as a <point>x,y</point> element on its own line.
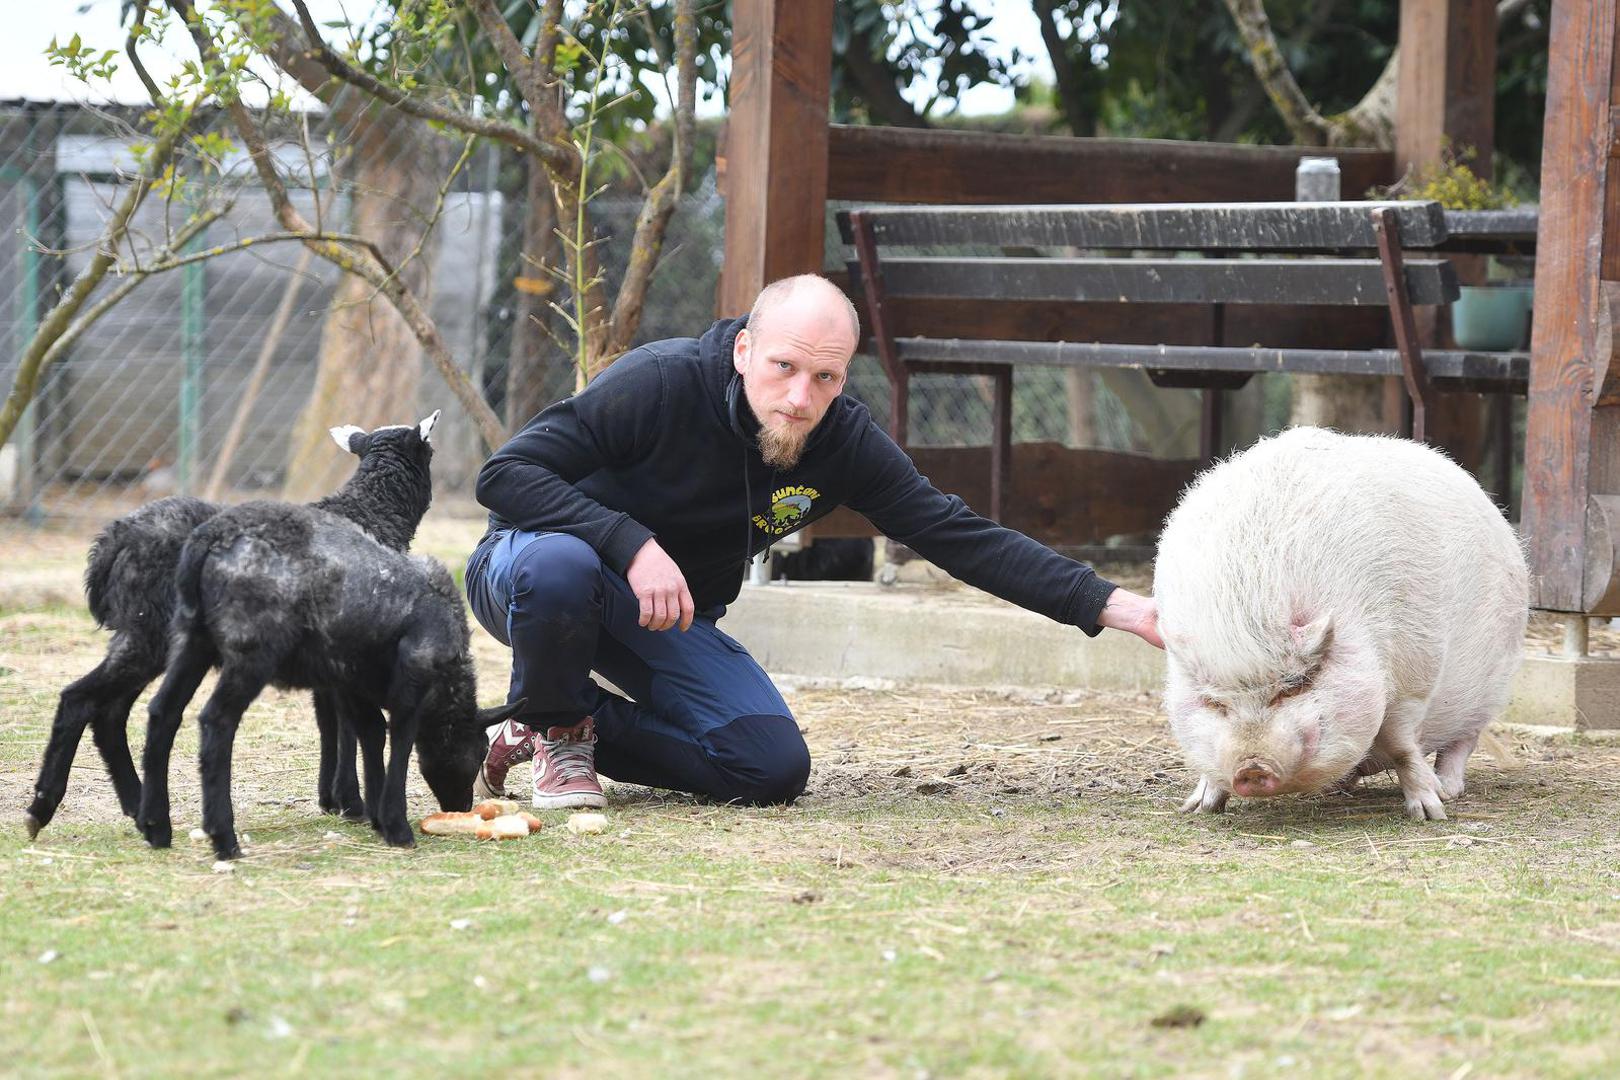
<point>344,437</point>
<point>1311,639</point>
<point>426,426</point>
<point>495,714</point>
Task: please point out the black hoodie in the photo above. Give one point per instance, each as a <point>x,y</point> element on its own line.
<point>663,444</point>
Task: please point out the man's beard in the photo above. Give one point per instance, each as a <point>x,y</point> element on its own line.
<point>782,445</point>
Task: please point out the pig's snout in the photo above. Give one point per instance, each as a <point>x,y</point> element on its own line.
<point>1256,779</point>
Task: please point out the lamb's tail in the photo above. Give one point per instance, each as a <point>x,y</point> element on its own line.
<point>105,553</point>
<point>188,577</point>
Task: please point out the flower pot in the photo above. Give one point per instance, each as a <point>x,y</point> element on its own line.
<point>1492,318</point>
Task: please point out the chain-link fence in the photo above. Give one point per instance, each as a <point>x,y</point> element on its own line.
<point>198,380</point>
<point>195,382</point>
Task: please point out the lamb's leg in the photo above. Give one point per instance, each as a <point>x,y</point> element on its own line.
<point>110,729</point>
<point>1397,741</point>
<point>238,686</point>
<point>191,661</point>
<point>345,781</point>
<point>327,722</point>
<point>368,726</point>
<point>101,699</point>
<point>393,824</point>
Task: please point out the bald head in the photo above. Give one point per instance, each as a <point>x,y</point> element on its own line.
<point>806,300</point>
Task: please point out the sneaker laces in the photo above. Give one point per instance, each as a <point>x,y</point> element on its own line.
<point>573,758</point>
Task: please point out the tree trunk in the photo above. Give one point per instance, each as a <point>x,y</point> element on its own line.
<point>1342,402</point>
<point>1082,403</point>
<point>536,373</point>
<point>370,364</point>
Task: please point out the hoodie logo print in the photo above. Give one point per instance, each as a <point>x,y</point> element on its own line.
<point>790,506</point>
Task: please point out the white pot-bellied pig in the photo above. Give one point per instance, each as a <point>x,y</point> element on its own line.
<point>302,597</point>
<point>1333,606</point>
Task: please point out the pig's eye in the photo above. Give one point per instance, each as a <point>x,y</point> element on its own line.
<point>1292,686</point>
<point>1212,705</point>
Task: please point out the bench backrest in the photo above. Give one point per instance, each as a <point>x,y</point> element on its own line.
<point>1330,251</point>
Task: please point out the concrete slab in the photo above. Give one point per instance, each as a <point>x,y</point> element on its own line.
<point>853,631</point>
<point>1583,693</point>
<point>856,630</point>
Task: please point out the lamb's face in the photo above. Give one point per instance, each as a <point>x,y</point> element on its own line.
<point>450,765</point>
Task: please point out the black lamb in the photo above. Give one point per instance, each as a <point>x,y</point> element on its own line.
<point>302,597</point>
<point>129,583</point>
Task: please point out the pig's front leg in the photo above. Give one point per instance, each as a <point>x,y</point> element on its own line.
<point>1206,798</point>
<point>1397,741</point>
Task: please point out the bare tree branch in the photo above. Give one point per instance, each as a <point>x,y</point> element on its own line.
<point>1308,127</point>
<point>362,261</point>
<point>135,28</point>
<point>660,203</point>
<point>876,84</point>
<point>340,68</point>
<point>1070,97</point>
<point>1369,122</point>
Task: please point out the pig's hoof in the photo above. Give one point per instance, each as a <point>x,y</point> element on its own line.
<point>1425,806</point>
<point>1206,798</point>
<point>1450,788</point>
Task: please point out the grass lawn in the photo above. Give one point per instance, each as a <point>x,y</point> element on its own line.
<point>975,885</point>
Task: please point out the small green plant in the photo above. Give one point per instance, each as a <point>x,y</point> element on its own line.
<point>1451,182</point>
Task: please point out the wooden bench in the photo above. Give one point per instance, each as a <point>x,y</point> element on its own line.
<point>1343,254</point>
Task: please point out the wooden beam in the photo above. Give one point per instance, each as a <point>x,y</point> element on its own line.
<point>1057,495</point>
<point>878,164</point>
<point>776,145</point>
<point>1572,447</point>
<point>1492,370</point>
<point>1350,282</point>
<point>1244,226</point>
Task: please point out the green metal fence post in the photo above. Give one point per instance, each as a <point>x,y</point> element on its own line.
<point>193,354</point>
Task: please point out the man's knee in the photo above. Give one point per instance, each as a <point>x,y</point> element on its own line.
<point>556,574</point>
<point>763,759</point>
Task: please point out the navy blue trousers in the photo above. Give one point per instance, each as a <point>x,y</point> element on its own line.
<point>704,717</point>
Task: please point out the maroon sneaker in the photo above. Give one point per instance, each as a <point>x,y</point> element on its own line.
<point>513,744</point>
<point>565,768</point>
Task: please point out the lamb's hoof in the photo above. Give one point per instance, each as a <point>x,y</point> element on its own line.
<point>226,848</point>
<point>400,836</point>
<point>159,834</point>
<point>354,812</point>
<point>32,824</point>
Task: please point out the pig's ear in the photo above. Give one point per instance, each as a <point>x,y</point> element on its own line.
<point>1311,639</point>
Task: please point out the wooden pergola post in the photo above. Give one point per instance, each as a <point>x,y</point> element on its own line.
<point>1446,82</point>
<point>1446,97</point>
<point>776,145</point>
<point>1572,448</point>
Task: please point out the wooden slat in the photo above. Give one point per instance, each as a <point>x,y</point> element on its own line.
<point>1516,226</point>
<point>1302,325</point>
<point>1355,282</point>
<point>1504,370</point>
<point>886,164</point>
<point>1058,495</point>
<point>1172,227</point>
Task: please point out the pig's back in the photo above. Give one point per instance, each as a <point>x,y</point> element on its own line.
<point>1382,530</point>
